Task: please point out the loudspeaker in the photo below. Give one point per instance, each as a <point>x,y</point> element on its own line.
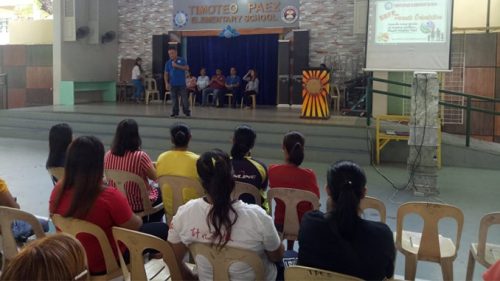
<point>160,53</point>
<point>283,96</point>
<point>300,61</point>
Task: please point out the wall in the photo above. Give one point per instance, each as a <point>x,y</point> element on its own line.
<point>29,70</point>
<point>30,32</point>
<point>331,24</point>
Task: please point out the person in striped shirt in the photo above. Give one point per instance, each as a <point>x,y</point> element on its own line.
<point>126,155</point>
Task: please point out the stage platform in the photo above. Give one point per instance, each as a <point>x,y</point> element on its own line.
<point>340,137</point>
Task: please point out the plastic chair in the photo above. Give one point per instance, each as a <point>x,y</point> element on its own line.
<point>9,244</point>
<point>136,242</point>
<point>120,178</point>
<point>254,101</point>
<point>335,98</point>
<point>182,189</point>
<point>484,253</point>
<point>246,188</point>
<point>222,259</point>
<point>428,245</point>
<point>229,98</point>
<point>303,273</point>
<point>291,197</point>
<point>167,93</point>
<point>75,226</point>
<point>374,203</point>
<point>151,90</point>
<point>56,172</point>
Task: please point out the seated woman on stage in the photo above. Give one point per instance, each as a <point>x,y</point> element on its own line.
<point>137,75</point>
<point>252,87</point>
<point>217,85</point>
<point>221,221</point>
<point>203,80</point>
<point>291,175</point>
<point>60,136</point>
<point>126,155</point>
<point>246,169</point>
<point>341,240</point>
<point>191,84</point>
<point>82,194</point>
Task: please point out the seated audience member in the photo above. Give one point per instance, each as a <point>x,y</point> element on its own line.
<point>203,80</point>
<point>82,194</point>
<point>246,169</point>
<point>20,229</point>
<point>220,221</point>
<point>252,87</point>
<point>341,240</point>
<point>178,161</point>
<point>291,175</point>
<point>60,136</point>
<point>493,272</point>
<point>126,155</point>
<point>217,85</point>
<point>190,83</point>
<point>233,85</point>
<point>57,257</point>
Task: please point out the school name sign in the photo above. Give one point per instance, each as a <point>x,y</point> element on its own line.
<point>210,14</point>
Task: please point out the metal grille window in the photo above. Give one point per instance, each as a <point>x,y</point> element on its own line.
<point>454,81</point>
<point>4,25</point>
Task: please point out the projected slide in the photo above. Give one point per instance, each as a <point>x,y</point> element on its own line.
<point>409,35</point>
<point>410,22</point>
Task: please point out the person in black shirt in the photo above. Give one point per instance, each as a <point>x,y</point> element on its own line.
<point>246,169</point>
<point>341,240</point>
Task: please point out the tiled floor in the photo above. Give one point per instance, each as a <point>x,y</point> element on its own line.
<point>476,192</point>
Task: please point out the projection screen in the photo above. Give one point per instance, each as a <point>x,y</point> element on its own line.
<point>409,35</point>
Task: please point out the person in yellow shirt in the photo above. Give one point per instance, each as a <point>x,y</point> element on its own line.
<point>178,162</point>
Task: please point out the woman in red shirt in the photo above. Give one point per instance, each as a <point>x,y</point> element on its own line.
<point>290,175</point>
<point>81,194</point>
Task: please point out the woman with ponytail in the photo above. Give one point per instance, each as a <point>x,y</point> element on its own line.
<point>126,155</point>
<point>291,175</point>
<point>341,240</point>
<point>220,221</point>
<point>246,168</point>
<point>178,161</point>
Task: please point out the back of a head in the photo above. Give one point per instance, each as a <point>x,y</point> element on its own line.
<point>293,143</point>
<point>60,136</point>
<point>126,138</point>
<point>84,172</point>
<point>180,135</point>
<point>243,141</point>
<point>54,257</point>
<point>346,182</point>
<point>216,174</point>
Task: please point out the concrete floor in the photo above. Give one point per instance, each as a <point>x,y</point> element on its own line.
<point>476,192</point>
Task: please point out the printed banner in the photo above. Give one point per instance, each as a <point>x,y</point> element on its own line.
<point>411,21</point>
<point>315,93</point>
<point>218,14</point>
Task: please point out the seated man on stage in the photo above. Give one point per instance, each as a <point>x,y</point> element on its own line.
<point>217,85</point>
<point>203,80</point>
<point>233,86</point>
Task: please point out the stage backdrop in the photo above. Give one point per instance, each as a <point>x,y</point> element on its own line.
<point>259,52</point>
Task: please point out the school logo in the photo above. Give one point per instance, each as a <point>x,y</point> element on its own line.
<point>289,14</point>
<point>180,19</point>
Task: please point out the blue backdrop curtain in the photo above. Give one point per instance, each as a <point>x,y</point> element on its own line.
<point>259,52</point>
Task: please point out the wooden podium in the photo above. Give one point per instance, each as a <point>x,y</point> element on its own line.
<point>315,93</point>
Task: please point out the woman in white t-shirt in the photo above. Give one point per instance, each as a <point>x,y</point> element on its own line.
<point>137,79</point>
<point>221,221</point>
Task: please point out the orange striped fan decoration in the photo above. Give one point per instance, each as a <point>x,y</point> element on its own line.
<point>315,93</point>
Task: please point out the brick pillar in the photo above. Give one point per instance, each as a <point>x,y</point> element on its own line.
<point>423,141</point>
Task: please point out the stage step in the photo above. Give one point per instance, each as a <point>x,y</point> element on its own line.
<point>324,143</point>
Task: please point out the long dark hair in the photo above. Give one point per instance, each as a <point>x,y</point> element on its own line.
<point>180,135</point>
<point>126,138</point>
<point>60,136</point>
<point>346,182</point>
<point>216,174</point>
<point>83,173</point>
<point>293,143</point>
<point>243,141</point>
<point>137,60</point>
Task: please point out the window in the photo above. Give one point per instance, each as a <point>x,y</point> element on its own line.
<point>4,25</point>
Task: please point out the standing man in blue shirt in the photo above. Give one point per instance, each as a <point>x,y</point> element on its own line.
<point>233,86</point>
<point>175,77</point>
